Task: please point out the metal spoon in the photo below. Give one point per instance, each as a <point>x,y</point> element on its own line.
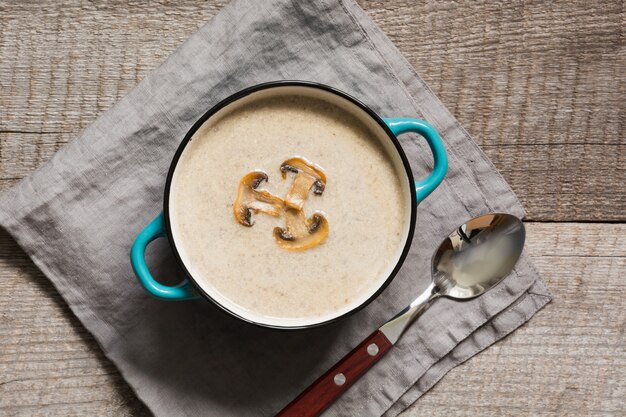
<point>472,259</point>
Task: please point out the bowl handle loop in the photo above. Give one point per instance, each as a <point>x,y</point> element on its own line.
<point>156,229</point>
<point>426,186</point>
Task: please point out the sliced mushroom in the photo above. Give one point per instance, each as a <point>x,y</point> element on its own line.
<point>308,176</point>
<point>301,233</point>
<point>250,200</point>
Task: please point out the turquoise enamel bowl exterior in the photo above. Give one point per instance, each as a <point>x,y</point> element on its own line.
<point>187,289</point>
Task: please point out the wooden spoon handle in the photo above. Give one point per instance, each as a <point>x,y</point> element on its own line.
<point>327,388</point>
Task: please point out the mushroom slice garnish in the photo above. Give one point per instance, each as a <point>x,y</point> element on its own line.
<point>301,233</point>
<point>308,176</point>
<point>252,201</point>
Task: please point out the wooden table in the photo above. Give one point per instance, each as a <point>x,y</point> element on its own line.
<point>541,87</point>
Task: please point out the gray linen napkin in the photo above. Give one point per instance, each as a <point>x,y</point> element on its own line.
<point>78,215</point>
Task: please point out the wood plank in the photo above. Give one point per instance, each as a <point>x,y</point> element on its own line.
<point>538,86</point>
<point>569,360</point>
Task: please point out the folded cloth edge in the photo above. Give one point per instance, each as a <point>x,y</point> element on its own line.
<point>526,307</point>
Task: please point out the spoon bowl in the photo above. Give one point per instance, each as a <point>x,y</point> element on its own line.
<point>477,255</point>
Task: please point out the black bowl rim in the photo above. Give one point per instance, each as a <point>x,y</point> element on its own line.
<point>290,83</point>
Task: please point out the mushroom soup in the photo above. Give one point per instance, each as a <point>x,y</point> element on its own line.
<point>288,206</point>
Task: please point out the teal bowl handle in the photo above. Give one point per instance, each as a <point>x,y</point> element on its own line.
<point>426,186</point>
<point>155,230</point>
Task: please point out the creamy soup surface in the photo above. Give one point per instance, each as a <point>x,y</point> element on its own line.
<point>242,267</point>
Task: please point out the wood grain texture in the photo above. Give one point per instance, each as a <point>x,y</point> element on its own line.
<point>540,86</point>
